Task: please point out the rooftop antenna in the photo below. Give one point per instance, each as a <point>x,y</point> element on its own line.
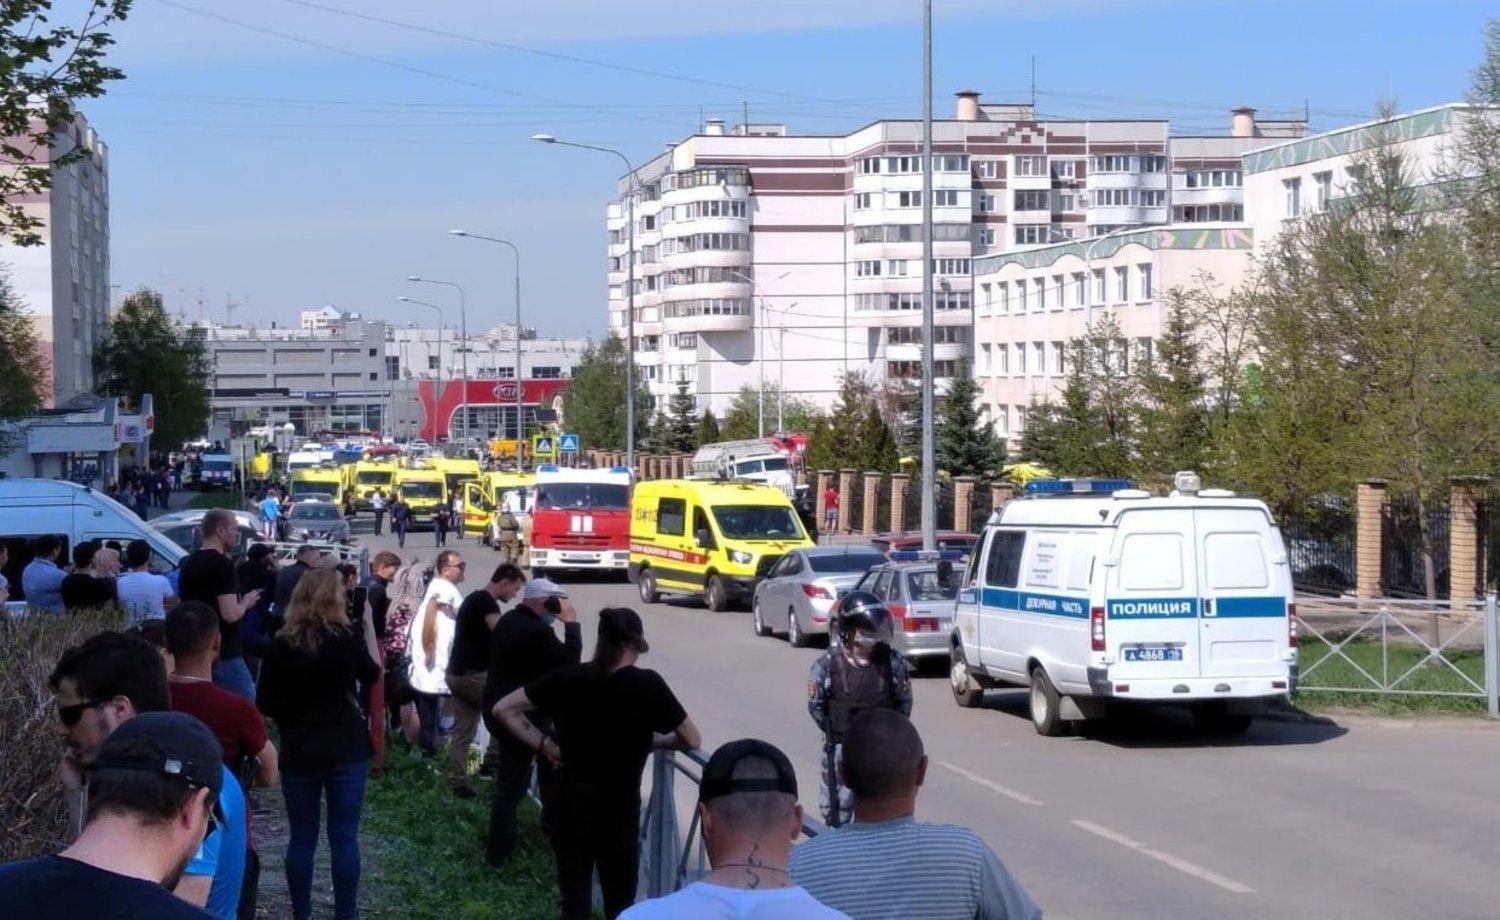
<point>745,116</point>
<point>1033,83</point>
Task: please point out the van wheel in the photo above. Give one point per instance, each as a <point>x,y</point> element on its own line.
<point>1216,719</point>
<point>794,634</point>
<point>759,619</point>
<point>714,594</point>
<point>1046,705</point>
<point>966,690</point>
<point>646,584</point>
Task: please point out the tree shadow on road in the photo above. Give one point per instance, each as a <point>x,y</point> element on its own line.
<point>1147,727</point>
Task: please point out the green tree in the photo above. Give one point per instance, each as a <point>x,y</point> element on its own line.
<point>966,442</point>
<point>901,405</point>
<point>659,437</point>
<point>836,444</point>
<point>708,429</point>
<point>876,444</point>
<point>594,402</point>
<point>1042,435</point>
<point>1173,414</point>
<point>682,421</point>
<point>742,421</point>
<point>146,353</point>
<point>23,366</point>
<point>1098,405</point>
<point>45,69</point>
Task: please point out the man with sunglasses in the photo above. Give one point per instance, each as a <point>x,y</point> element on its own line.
<point>103,684</point>
<point>860,671</point>
<point>152,800</point>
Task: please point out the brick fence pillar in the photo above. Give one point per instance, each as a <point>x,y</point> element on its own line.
<point>963,502</point>
<point>846,492</point>
<point>1465,557</point>
<point>872,502</point>
<point>900,482</point>
<point>1369,534</point>
<point>1000,493</point>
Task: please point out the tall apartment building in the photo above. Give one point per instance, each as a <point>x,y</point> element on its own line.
<point>64,281</point>
<point>762,255</point>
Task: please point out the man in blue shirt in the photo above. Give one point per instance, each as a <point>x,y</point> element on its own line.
<point>41,580</point>
<point>270,509</point>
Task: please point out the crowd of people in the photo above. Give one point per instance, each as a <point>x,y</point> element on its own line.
<point>104,576</point>
<point>165,739</point>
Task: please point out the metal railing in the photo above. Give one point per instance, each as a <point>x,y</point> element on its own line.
<point>670,857</point>
<point>1395,647</point>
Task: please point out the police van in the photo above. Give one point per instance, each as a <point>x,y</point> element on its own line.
<point>1090,592</point>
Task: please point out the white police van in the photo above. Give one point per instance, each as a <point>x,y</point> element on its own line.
<point>1089,591</point>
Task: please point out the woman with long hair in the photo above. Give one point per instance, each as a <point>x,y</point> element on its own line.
<point>406,590</point>
<point>609,716</point>
<point>309,685</point>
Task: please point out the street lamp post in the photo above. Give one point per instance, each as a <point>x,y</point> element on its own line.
<point>629,289</point>
<point>463,333</point>
<point>437,387</point>
<point>781,370</point>
<point>929,383</point>
<point>520,386</point>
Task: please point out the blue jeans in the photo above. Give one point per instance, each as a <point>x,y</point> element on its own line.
<point>344,787</point>
<point>234,675</point>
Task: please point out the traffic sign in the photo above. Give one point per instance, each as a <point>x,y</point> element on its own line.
<point>567,443</point>
<point>542,445</point>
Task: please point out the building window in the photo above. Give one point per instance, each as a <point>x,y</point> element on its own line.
<point>1065,202</point>
<point>1057,292</point>
<point>951,163</point>
<point>1041,295</point>
<point>912,335</point>
<point>1033,200</point>
<point>1065,169</point>
<point>1002,420</point>
<point>1058,359</point>
<point>1204,213</point>
<point>1004,296</point>
<point>908,199</point>
<point>868,166</point>
<point>1293,188</point>
<point>985,204</point>
<point>895,268</point>
<point>984,236</point>
<point>1122,285</point>
<point>869,268</point>
<point>1354,178</point>
<point>1039,359</point>
<point>1020,359</point>
<point>861,201</point>
<point>945,198</point>
<point>1153,198</point>
<point>1031,166</point>
<point>1148,290</point>
<point>1214,178</point>
<point>987,169</point>
<point>989,297</point>
<point>950,266</point>
<point>1032,234</point>
<point>986,360</point>
<point>1080,290</point>
<point>433,362</point>
<point>1021,295</point>
<point>1002,359</point>
<point>1144,351</point>
<point>899,165</point>
<point>685,340</point>
<point>1324,182</point>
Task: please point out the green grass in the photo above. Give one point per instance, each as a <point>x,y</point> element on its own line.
<point>1387,667</point>
<point>215,500</point>
<point>432,850</point>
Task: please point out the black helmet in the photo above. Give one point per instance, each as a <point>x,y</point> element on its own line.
<point>861,611</point>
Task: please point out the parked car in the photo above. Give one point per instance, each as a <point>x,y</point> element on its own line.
<point>799,590</point>
<point>921,597</point>
<point>953,545</point>
<point>189,535</point>
<point>194,515</point>
<point>316,522</point>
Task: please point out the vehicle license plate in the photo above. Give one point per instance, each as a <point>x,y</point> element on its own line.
<point>572,558</point>
<point>1153,653</point>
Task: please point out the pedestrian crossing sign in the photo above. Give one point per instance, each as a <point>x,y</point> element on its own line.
<point>567,443</point>
<point>542,445</point>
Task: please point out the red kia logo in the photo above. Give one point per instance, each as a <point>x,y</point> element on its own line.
<point>507,391</point>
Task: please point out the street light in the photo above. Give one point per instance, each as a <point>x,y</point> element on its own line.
<point>781,368</point>
<point>629,289</point>
<point>760,348</point>
<point>463,333</point>
<point>437,387</point>
<point>929,319</point>
<point>520,387</point>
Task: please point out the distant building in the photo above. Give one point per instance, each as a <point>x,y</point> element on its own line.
<point>64,281</point>
<point>326,318</point>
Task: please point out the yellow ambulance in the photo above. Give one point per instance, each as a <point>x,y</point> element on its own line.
<point>714,539</point>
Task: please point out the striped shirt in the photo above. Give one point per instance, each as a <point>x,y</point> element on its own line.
<point>903,869</point>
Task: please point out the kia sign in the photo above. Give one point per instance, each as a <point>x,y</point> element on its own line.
<point>509,392</point>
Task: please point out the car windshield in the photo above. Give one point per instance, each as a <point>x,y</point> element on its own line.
<point>844,562</point>
<point>422,489</point>
<point>217,466</point>
<point>777,464</point>
<point>304,489</point>
<point>926,586</point>
<point>960,543</point>
<point>757,522</point>
<point>316,511</point>
<point>599,496</point>
<point>374,478</point>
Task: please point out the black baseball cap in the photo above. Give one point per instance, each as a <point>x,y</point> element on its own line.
<point>619,623</point>
<point>178,745</point>
<point>718,775</point>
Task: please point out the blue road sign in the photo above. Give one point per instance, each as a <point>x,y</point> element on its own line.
<point>568,443</point>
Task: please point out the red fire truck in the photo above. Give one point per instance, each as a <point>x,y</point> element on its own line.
<point>580,519</point>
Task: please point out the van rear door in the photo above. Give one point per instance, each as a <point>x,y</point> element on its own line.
<point>1151,596</point>
<point>1244,594</point>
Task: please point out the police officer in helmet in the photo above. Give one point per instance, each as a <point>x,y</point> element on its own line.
<point>859,671</point>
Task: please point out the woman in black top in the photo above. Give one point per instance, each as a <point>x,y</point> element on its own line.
<point>609,715</point>
<point>308,685</point>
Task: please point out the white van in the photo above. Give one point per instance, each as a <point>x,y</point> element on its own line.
<point>1090,592</point>
<point>30,508</point>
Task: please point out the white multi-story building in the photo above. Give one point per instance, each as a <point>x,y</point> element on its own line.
<point>790,259</point>
<point>64,280</point>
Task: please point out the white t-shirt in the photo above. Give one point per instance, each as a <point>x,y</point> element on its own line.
<point>377,502</point>
<point>434,679</point>
<point>706,901</point>
<point>142,595</point>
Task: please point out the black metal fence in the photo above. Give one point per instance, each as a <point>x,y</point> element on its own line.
<point>854,511</point>
<point>981,503</point>
<point>883,505</point>
<point>1488,525</point>
<point>1321,546</point>
<point>911,510</point>
<point>1406,556</point>
<point>945,504</point>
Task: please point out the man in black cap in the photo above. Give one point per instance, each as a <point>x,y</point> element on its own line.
<point>747,803</point>
<point>152,799</point>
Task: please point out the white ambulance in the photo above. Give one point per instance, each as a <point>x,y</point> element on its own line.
<point>1091,593</point>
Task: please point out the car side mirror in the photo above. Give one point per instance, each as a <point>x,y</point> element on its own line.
<point>703,538</point>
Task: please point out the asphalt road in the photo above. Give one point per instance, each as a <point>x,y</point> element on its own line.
<point>1362,819</point>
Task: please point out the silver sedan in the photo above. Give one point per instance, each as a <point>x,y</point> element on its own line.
<point>800,589</point>
<point>921,597</point>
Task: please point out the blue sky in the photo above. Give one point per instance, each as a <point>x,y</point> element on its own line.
<point>297,156</point>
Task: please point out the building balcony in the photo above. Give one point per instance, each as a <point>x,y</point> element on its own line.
<point>1126,180</point>
<point>708,322</point>
<point>943,351</point>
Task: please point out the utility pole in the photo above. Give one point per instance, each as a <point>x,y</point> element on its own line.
<point>929,383</point>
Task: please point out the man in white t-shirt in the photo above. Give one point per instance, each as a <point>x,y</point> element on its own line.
<point>143,594</point>
<point>430,642</point>
<point>747,803</point>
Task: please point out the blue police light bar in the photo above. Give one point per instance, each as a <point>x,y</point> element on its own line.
<point>920,555</point>
<point>547,468</point>
<point>619,469</point>
<point>1075,486</point>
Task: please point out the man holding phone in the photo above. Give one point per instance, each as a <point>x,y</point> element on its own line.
<point>208,577</point>
<point>524,648</point>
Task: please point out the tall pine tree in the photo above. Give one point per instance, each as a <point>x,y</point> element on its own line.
<point>1174,413</point>
<point>682,421</point>
<point>708,429</point>
<point>966,442</point>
